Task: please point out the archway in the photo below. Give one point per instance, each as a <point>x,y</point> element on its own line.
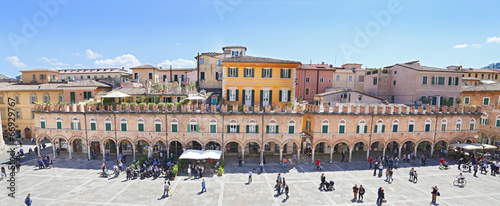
<point>271,148</point>
<point>408,147</point>
<point>424,148</point>
<point>159,149</point>
<point>95,148</point>
<point>142,148</point>
<point>469,141</point>
<point>495,140</point>
<point>175,148</point>
<point>212,145</point>
<point>343,149</point>
<point>43,144</point>
<point>377,150</point>
<point>126,149</point>
<point>252,148</point>
<point>393,149</point>
<point>441,149</point>
<point>483,138</point>
<point>290,148</point>
<point>359,149</point>
<point>78,145</point>
<point>27,133</point>
<point>232,148</point>
<point>109,148</point>
<point>194,145</point>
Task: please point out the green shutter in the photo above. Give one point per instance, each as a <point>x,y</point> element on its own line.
<point>324,129</point>
<point>261,96</point>
<point>456,80</point>
<point>383,128</point>
<point>281,74</point>
<point>92,126</point>
<point>270,97</point>
<point>277,129</point>
<point>394,128</point>
<point>237,94</point>
<point>197,128</point>
<point>108,126</point>
<point>59,125</point>
<point>124,127</point>
<point>466,101</point>
<point>449,80</point>
<point>291,129</point>
<point>256,128</point>
<point>228,129</point>
<point>85,95</point>
<point>498,123</point>
<point>366,129</point>
<point>289,95</point>
<point>188,128</point>
<point>281,93</point>
<point>174,127</point>
<point>72,126</point>
<point>427,127</point>
<point>213,128</point>
<point>42,125</point>
<point>357,129</point>
<point>271,73</point>
<point>341,129</point>
<point>248,128</point>
<point>433,80</point>
<point>238,129</point>
<point>267,129</point>
<point>375,130</point>
<point>253,97</point>
<point>236,72</point>
<point>227,95</point>
<point>158,127</point>
<point>262,71</point>
<point>410,128</point>
<point>141,127</point>
<point>245,72</point>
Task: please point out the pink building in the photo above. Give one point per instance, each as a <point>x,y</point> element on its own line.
<point>313,79</point>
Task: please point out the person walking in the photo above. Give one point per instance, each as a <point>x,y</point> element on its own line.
<point>166,187</point>
<point>203,186</point>
<point>381,196</point>
<point>283,184</point>
<point>249,176</point>
<point>284,162</point>
<point>415,176</point>
<point>318,164</point>
<point>261,167</point>
<point>355,191</point>
<point>375,169</point>
<point>295,158</point>
<point>28,201</point>
<point>278,179</point>
<point>476,167</point>
<point>390,175</point>
<point>240,160</point>
<point>411,174</point>
<point>371,161</point>
<point>460,162</point>
<point>278,190</point>
<point>423,159</point>
<point>189,171</point>
<point>380,168</point>
<point>387,175</point>
<point>323,180</point>
<point>343,155</point>
<point>434,194</point>
<point>286,191</point>
<point>361,192</point>
<point>396,163</point>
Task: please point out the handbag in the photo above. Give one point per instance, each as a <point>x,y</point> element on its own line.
<point>438,194</point>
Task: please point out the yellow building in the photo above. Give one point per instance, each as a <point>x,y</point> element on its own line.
<point>261,81</point>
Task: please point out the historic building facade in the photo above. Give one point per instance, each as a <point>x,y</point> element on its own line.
<point>325,129</point>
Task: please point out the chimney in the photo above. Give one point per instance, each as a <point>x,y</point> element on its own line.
<point>322,63</point>
<point>123,68</point>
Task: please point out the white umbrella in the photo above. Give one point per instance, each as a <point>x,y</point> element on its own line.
<point>467,146</point>
<point>201,154</point>
<point>116,94</point>
<point>485,146</point>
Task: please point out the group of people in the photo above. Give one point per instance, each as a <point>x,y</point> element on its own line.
<point>413,175</point>
<point>326,185</point>
<point>391,162</point>
<point>44,162</point>
<point>195,170</point>
<point>358,190</point>
<point>281,186</point>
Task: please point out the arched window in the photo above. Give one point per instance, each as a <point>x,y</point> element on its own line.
<point>140,124</point>
<point>325,124</point>
<point>93,123</point>
<point>458,126</point>
<point>484,119</point>
<point>193,126</point>
<point>252,126</point>
<point>411,125</point>
<point>395,125</point>
<point>213,125</point>
<point>174,125</point>
<point>472,124</point>
<point>308,124</point>
<point>107,123</point>
<point>428,123</point>
<point>46,98</point>
<point>272,127</point>
<point>291,126</point>
<point>444,124</point>
<point>362,128</point>
<point>157,124</point>
<point>59,122</point>
<point>75,123</point>
<point>123,124</point>
<point>33,98</point>
<point>342,125</point>
<point>61,97</point>
<point>379,126</point>
<point>42,122</point>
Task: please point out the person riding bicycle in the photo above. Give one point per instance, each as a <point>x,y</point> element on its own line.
<point>461,178</point>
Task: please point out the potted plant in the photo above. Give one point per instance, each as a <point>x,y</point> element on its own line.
<point>221,170</point>
<point>175,169</point>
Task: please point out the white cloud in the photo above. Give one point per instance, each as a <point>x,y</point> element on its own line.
<point>126,60</point>
<point>80,65</point>
<point>15,61</point>
<point>179,63</point>
<point>92,55</point>
<point>461,46</point>
<point>475,46</point>
<point>493,39</point>
<point>53,61</point>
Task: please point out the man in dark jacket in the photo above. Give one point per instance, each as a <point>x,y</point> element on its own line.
<point>381,196</point>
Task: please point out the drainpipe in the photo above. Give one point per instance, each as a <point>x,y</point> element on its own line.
<point>370,142</point>
<point>86,135</point>
<point>223,146</point>
<point>262,132</point>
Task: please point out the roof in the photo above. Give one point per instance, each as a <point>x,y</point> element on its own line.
<point>131,91</point>
<point>39,70</point>
<point>345,90</point>
<point>6,86</point>
<point>224,47</point>
<point>258,60</point>
<point>147,66</point>
<point>86,83</point>
<point>317,67</point>
<point>470,78</point>
<point>91,71</point>
<point>484,87</point>
<point>480,70</point>
<point>178,69</point>
<point>418,67</point>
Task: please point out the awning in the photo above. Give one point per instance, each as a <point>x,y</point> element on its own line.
<point>115,94</point>
<point>201,154</point>
<point>485,146</point>
<point>467,146</point>
<point>195,98</point>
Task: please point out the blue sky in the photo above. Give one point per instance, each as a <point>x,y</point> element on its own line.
<point>112,33</point>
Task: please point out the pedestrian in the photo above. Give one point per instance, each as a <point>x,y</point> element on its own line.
<point>423,159</point>
<point>355,191</point>
<point>386,159</point>
<point>278,179</point>
<point>396,163</point>
<point>411,174</point>
<point>279,188</point>
<point>18,165</point>
<point>203,186</point>
<point>249,176</point>
<point>195,172</point>
<point>475,169</point>
<point>284,162</point>
<point>387,175</point>
<point>361,192</point>
<point>381,196</point>
<point>375,169</point>
<point>286,191</point>
<point>380,168</point>
<point>323,180</point>
<point>261,167</point>
<point>370,160</point>
<point>390,175</point>
<point>129,173</point>
<point>434,194</point>
<point>460,162</point>
<point>343,155</point>
<point>415,176</point>
<point>189,171</point>
<point>169,188</point>
<point>283,183</point>
<point>201,168</point>
<point>28,200</point>
<point>3,174</point>
<point>318,164</point>
<point>240,160</point>
<point>166,187</point>
<point>294,158</point>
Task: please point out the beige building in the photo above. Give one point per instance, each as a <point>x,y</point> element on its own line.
<point>39,76</point>
<point>352,129</point>
<point>349,76</point>
<point>345,96</point>
<point>185,75</point>
<point>100,73</point>
<point>412,83</point>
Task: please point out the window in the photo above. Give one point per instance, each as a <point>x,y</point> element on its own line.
<point>411,125</point>
<point>395,125</point>
<point>484,119</point>
<point>362,128</point>
<point>248,72</point>
<point>342,124</point>
<point>233,129</point>
<point>424,80</point>
<point>458,125</point>
<point>361,78</point>
<point>379,127</point>
<point>140,125</point>
<point>46,98</point>
<point>267,73</point>
<point>427,125</point>
<point>321,79</point>
<point>213,126</point>
<point>232,72</point>
<point>466,100</point>
<point>291,127</point>
<point>444,123</point>
<point>472,124</point>
<point>42,122</point>
<point>218,76</point>
<point>308,79</point>
<point>252,126</point>
<point>308,124</point>
<point>350,78</point>
<point>337,78</point>
<point>486,101</point>
<point>174,125</point>
<point>176,78</point>
<point>158,125</point>
<point>18,115</point>
<point>202,76</point>
<point>58,122</point>
<point>272,127</point>
<point>438,80</point>
<point>324,126</point>
<point>307,91</point>
<point>107,124</point>
<point>75,124</point>
<point>88,77</point>
<point>395,72</point>
<point>220,63</point>
<point>150,75</point>
<point>87,95</point>
<point>374,81</point>
<point>233,95</point>
<point>43,76</point>
<point>234,53</point>
<point>93,124</point>
<point>123,125</point>
<point>285,95</point>
<point>33,98</point>
<point>286,73</point>
<point>394,83</point>
<point>34,77</point>
<point>202,60</point>
<point>193,126</point>
<point>61,97</point>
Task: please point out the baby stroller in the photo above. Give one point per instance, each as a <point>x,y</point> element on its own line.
<point>444,165</point>
<point>105,173</point>
<point>329,186</point>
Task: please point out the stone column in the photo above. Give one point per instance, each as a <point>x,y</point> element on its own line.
<point>367,153</point>
<point>416,147</point>
<point>261,155</point>
<point>69,150</point>
<point>298,155</point>
<point>53,151</point>
<point>331,154</point>
<point>383,151</point>
<point>133,153</point>
<point>312,157</point>
<point>432,150</point>
<point>350,154</point>
<point>242,154</point>
<point>168,153</point>
<point>103,150</point>
<point>281,154</point>
<point>38,145</point>
<point>88,151</point>
<point>117,151</point>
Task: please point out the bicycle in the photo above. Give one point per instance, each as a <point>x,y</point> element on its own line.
<point>466,168</point>
<point>459,183</point>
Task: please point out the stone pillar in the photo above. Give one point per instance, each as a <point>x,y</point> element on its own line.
<point>350,154</point>
<point>331,154</point>
<point>38,145</point>
<point>399,152</point>
<point>168,153</point>
<point>53,151</point>
<point>415,149</point>
<point>103,150</point>
<point>312,157</point>
<point>133,153</point>
<point>69,150</point>
<point>261,155</point>
<point>367,153</point>
<point>383,151</point>
<point>432,150</point>
<point>88,151</point>
<point>298,155</point>
<point>243,154</point>
<point>117,151</point>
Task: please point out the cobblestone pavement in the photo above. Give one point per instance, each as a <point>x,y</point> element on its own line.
<point>77,182</point>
